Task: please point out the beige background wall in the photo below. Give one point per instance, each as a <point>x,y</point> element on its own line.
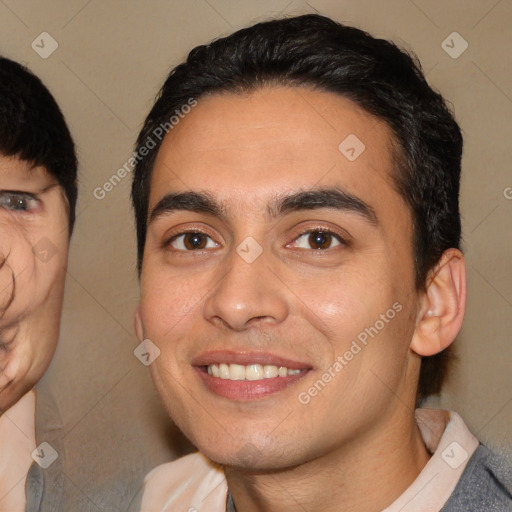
<point>112,57</point>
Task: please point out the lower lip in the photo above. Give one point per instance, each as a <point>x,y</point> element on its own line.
<point>247,390</point>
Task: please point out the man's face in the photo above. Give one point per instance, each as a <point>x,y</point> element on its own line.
<point>33,254</point>
<point>270,246</point>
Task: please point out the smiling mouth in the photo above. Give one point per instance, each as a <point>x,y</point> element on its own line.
<point>247,375</point>
<point>251,372</point>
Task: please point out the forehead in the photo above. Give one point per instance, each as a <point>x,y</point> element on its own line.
<point>20,174</point>
<point>246,148</point>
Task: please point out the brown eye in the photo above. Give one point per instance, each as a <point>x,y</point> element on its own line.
<point>192,241</point>
<point>320,240</point>
<point>317,240</point>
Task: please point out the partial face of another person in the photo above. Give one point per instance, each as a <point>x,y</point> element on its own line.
<point>34,239</point>
<point>268,253</point>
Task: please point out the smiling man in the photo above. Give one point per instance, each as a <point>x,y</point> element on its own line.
<point>38,194</point>
<point>298,236</point>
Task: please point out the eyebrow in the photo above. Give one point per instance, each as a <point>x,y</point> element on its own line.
<point>190,201</point>
<point>333,198</point>
<point>315,199</point>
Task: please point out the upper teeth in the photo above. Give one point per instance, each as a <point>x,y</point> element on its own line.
<point>249,372</point>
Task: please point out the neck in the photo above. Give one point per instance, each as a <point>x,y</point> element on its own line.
<point>366,475</point>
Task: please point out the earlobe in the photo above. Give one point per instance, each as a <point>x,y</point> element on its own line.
<point>139,329</point>
<point>442,305</point>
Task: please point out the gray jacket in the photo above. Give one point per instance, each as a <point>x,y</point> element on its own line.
<point>485,485</point>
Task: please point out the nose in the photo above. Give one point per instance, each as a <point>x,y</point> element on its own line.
<point>249,294</point>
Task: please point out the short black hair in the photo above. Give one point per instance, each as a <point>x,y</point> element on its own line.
<point>317,52</point>
<point>33,128</point>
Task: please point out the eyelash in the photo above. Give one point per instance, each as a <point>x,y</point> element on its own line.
<point>319,229</point>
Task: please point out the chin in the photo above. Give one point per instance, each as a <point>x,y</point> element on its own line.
<point>251,459</point>
<point>248,453</point>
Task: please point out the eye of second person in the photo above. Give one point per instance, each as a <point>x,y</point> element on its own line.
<point>17,201</point>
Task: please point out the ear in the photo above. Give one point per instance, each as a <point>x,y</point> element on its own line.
<point>139,329</point>
<point>442,305</point>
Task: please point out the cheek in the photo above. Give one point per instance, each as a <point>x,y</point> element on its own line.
<point>344,302</point>
<point>361,315</point>
<point>47,261</point>
<point>17,272</point>
<point>168,306</point>
<point>16,247</point>
<point>36,256</point>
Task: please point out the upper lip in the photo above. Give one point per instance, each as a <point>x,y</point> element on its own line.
<point>246,358</point>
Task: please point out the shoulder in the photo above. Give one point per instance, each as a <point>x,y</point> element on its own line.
<point>486,484</point>
<point>189,483</point>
